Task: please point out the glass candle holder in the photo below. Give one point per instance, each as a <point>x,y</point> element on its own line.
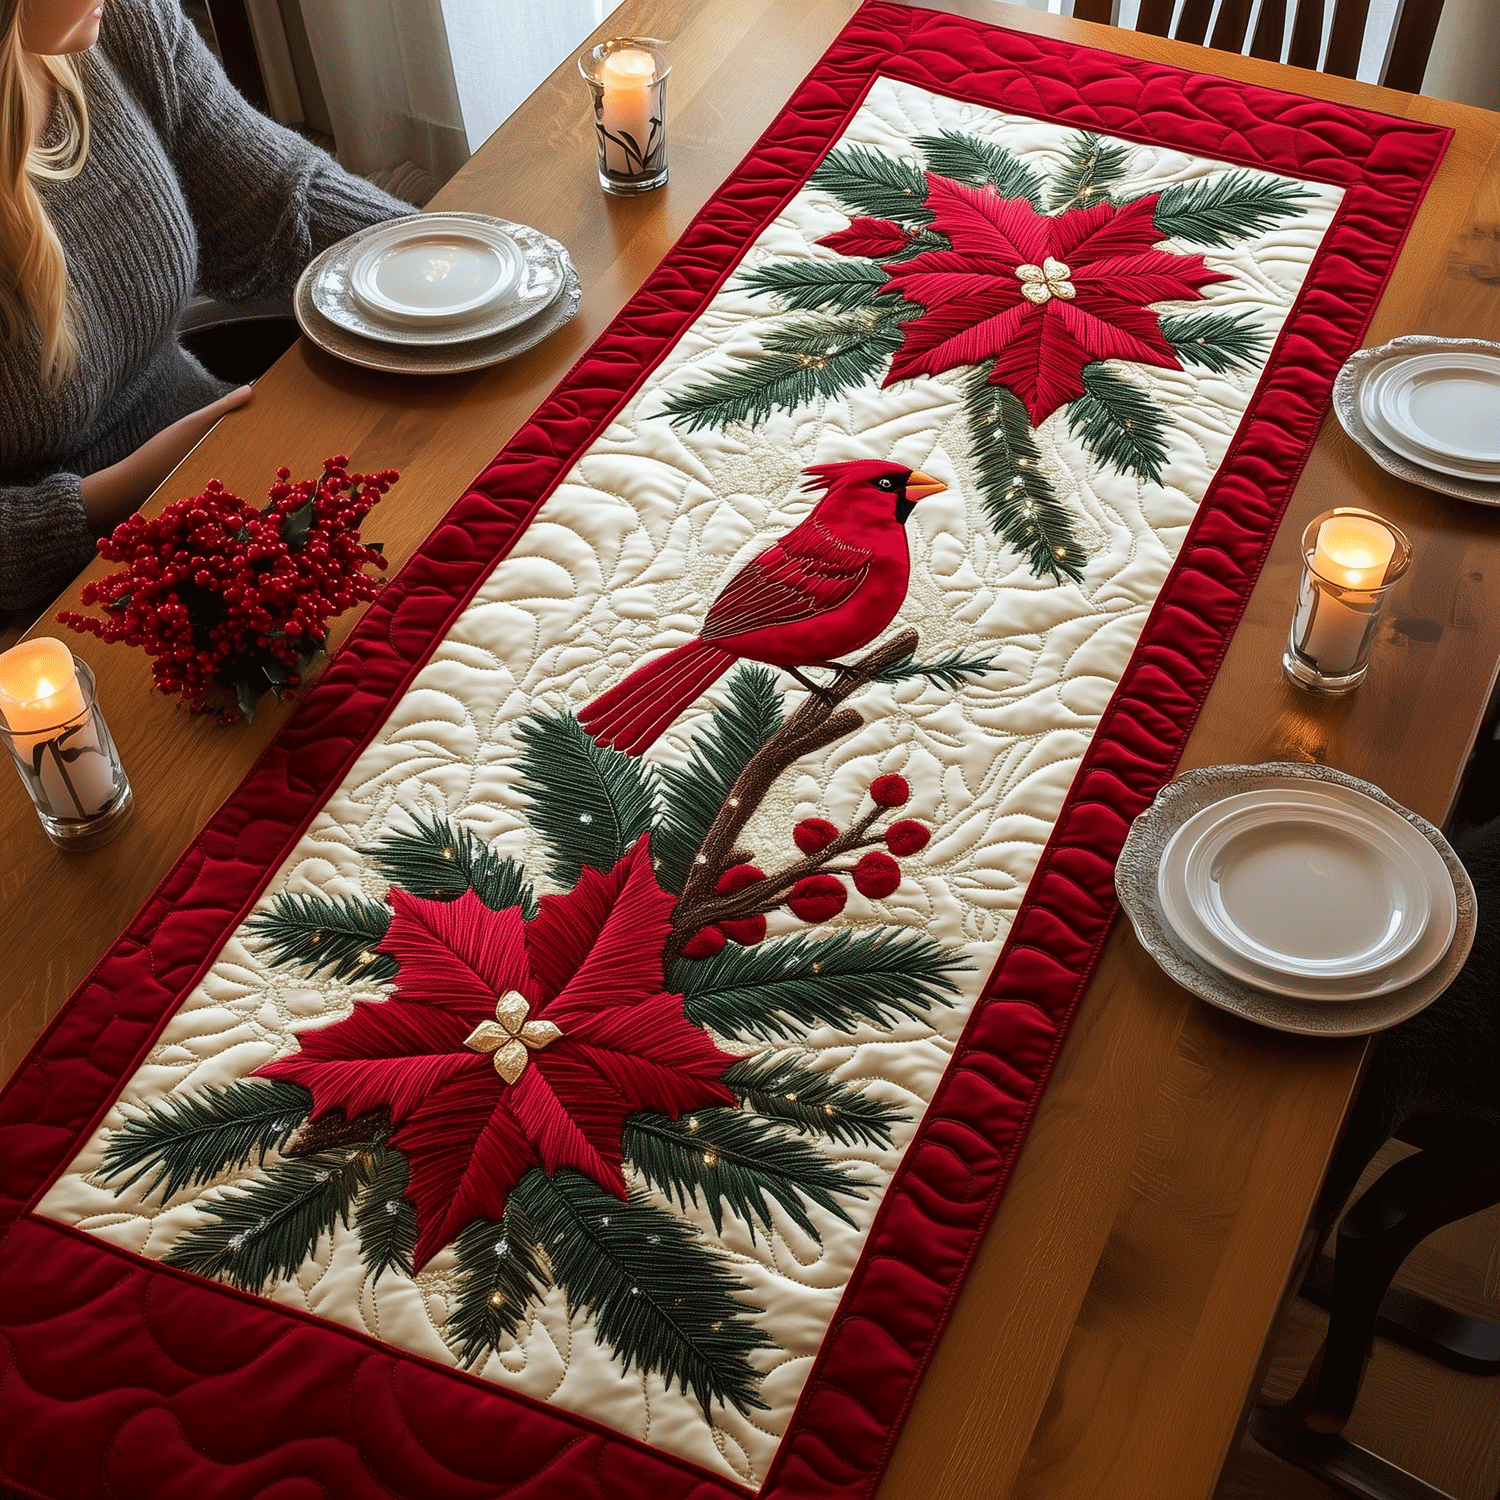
<point>627,76</point>
<point>1350,560</point>
<point>51,724</point>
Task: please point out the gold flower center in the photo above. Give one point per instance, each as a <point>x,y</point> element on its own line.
<point>1041,283</point>
<point>511,1037</point>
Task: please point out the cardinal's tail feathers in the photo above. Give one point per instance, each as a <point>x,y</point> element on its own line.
<point>633,713</point>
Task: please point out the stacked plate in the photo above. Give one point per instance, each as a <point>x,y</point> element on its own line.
<point>1295,891</point>
<point>1429,410</point>
<point>437,293</point>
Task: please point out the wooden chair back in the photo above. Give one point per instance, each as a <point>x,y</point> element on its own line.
<point>1408,54</point>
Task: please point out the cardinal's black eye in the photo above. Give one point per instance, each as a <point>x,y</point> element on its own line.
<point>885,484</point>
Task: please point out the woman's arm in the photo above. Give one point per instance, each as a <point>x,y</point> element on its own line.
<point>264,200</point>
<point>45,539</point>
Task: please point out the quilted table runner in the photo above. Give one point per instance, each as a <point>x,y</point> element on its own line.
<point>583,1056</point>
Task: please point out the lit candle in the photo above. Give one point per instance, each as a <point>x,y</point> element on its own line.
<point>1353,552</point>
<point>52,727</point>
<point>627,77</point>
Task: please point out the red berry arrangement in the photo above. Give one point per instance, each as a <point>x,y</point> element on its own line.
<point>231,601</point>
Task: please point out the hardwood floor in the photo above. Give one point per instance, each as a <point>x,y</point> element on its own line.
<point>1434,1422</point>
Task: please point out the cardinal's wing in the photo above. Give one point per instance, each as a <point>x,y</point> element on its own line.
<point>808,572</point>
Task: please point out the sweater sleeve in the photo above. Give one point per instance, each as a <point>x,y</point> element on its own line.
<point>44,540</point>
<point>264,200</point>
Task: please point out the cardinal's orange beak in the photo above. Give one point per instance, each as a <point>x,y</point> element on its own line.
<point>920,485</point>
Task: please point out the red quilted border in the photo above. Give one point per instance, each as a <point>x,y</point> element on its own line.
<point>120,1377</point>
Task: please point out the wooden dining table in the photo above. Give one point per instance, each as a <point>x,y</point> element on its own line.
<point>1111,1330</point>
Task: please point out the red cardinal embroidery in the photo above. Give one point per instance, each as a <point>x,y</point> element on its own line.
<point>828,587</point>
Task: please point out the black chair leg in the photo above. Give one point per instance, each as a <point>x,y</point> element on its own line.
<point>1407,1203</point>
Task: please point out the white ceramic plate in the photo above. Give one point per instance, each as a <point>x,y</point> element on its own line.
<point>1363,366</point>
<point>542,279</point>
<point>1372,409</point>
<point>1447,405</point>
<point>1140,860</point>
<point>1316,894</point>
<point>441,271</point>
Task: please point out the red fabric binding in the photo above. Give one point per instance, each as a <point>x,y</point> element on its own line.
<point>122,1378</point>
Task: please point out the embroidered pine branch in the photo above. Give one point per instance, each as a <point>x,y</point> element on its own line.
<point>500,1270</point>
<point>806,360</point>
<point>192,1138</point>
<point>266,1229</point>
<point>589,803</point>
<point>339,934</point>
<point>951,671</point>
<point>659,1298</point>
<point>1119,423</point>
<point>869,182</point>
<point>1217,341</point>
<point>787,1088</point>
<point>844,285</point>
<point>1091,168</point>
<point>1017,497</point>
<point>738,1162</point>
<point>385,1222</point>
<point>1221,210</point>
<point>694,795</point>
<point>439,859</point>
<point>786,986</point>
<point>978,163</point>
<point>817,721</point>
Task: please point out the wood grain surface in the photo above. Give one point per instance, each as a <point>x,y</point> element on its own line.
<point>1112,1326</point>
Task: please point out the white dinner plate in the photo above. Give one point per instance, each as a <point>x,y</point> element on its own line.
<point>542,278</point>
<point>1312,893</point>
<point>441,271</point>
<point>1404,443</point>
<point>1447,405</point>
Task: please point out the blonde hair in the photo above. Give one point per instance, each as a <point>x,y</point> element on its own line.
<point>33,271</point>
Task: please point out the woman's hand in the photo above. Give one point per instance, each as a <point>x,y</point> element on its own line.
<point>109,495</point>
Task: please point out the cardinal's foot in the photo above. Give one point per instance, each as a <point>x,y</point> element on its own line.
<point>820,693</point>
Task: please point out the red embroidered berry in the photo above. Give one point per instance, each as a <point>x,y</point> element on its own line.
<point>737,877</point>
<point>816,898</point>
<point>876,875</point>
<point>704,943</point>
<point>812,834</point>
<point>907,836</point>
<point>890,791</point>
<point>746,930</point>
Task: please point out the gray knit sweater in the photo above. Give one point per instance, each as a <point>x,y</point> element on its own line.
<point>186,188</point>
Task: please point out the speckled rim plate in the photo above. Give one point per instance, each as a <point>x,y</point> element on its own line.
<point>543,280</point>
<point>1135,883</point>
<point>458,359</point>
<point>1368,363</point>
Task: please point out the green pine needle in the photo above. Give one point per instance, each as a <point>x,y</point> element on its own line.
<point>266,1229</point>
<point>1221,210</point>
<point>1217,341</point>
<point>785,986</point>
<point>951,671</point>
<point>806,360</point>
<point>192,1138</point>
<point>500,1270</point>
<point>339,934</point>
<point>590,804</point>
<point>787,1088</point>
<point>1016,496</point>
<point>441,860</point>
<point>876,185</point>
<point>845,284</point>
<point>739,1162</point>
<point>693,795</point>
<point>385,1221</point>
<point>660,1298</point>
<point>978,163</point>
<point>1119,423</point>
<point>1092,167</point>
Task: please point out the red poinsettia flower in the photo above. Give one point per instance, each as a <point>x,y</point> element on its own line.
<point>1041,295</point>
<point>512,1044</point>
